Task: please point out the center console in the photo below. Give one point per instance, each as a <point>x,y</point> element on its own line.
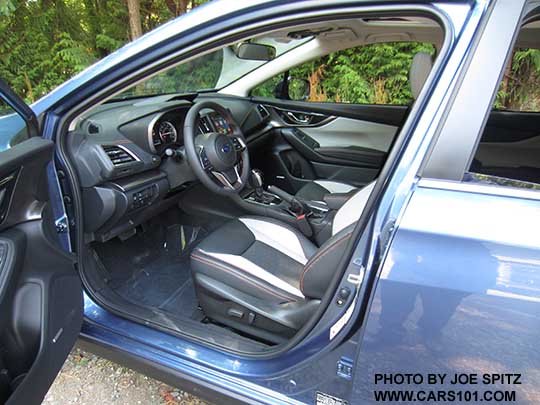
<point>313,218</point>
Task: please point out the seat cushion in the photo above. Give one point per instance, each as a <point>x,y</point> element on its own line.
<point>317,189</point>
<point>257,256</point>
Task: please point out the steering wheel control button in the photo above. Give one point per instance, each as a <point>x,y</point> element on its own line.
<point>204,161</point>
<point>239,144</point>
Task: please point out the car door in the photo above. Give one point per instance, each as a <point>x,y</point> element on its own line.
<point>331,141</point>
<point>40,290</point>
<point>333,127</point>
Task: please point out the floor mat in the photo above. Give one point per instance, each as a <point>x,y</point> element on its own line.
<point>155,284</point>
<point>151,269</point>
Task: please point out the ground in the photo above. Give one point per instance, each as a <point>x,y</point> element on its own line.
<point>89,379</point>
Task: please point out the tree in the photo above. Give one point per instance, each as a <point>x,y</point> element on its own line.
<point>135,26</point>
<point>178,7</point>
<point>45,42</point>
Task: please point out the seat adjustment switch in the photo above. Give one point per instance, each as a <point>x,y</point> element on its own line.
<point>235,313</point>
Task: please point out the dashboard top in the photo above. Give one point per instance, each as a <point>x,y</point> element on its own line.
<point>126,137</point>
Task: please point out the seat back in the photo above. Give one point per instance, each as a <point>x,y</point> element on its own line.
<point>318,272</point>
<point>350,211</point>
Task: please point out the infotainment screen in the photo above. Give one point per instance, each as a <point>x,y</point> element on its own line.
<point>220,124</point>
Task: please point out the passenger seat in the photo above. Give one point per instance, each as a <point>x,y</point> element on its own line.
<point>316,190</point>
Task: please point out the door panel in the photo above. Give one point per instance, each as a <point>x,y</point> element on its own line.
<point>355,176</point>
<point>345,132</point>
<point>380,113</point>
<point>459,286</point>
<point>510,146</point>
<point>40,290</point>
<point>341,142</point>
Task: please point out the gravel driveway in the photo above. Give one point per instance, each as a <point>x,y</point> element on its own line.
<point>89,379</point>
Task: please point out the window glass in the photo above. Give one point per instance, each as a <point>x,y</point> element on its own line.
<point>370,74</point>
<point>508,153</point>
<point>520,88</point>
<point>210,71</point>
<point>13,128</point>
<point>198,74</point>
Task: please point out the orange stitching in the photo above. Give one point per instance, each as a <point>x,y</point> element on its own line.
<point>318,256</point>
<point>234,273</point>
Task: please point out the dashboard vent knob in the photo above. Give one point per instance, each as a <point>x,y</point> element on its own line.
<point>93,128</point>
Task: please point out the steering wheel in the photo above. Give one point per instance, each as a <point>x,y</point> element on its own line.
<point>221,162</point>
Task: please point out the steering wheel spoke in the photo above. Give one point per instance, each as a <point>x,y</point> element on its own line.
<point>229,178</point>
<point>203,159</point>
<point>239,143</point>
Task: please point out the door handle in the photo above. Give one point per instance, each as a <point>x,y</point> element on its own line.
<point>306,120</point>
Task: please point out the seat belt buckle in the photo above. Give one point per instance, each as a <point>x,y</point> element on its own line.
<point>304,225</point>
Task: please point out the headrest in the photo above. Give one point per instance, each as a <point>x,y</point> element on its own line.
<point>420,68</point>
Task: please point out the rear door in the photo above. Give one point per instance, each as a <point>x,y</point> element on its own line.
<point>40,290</point>
<point>337,116</point>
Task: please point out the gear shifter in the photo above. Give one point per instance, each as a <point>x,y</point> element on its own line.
<point>256,182</point>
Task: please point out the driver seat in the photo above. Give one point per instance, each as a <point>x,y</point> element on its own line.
<point>264,277</point>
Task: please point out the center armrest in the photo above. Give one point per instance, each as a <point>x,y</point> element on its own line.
<point>335,201</point>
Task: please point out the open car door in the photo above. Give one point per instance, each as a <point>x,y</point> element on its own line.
<point>40,290</point>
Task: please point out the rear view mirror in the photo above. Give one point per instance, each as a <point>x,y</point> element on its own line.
<point>252,51</point>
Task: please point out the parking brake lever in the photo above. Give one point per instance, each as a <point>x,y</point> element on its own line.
<point>297,207</point>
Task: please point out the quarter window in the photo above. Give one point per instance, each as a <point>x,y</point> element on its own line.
<point>13,129</point>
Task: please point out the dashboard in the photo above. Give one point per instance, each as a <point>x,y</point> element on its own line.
<point>129,156</point>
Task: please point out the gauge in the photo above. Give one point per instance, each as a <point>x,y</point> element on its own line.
<point>167,132</point>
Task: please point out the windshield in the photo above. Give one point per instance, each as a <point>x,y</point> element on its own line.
<point>211,71</point>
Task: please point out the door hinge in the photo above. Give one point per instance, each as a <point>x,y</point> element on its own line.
<point>61,224</point>
<point>386,234</point>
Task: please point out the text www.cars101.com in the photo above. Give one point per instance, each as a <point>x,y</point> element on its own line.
<point>443,396</point>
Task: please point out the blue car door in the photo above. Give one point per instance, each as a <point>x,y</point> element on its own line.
<point>40,289</point>
<point>454,310</point>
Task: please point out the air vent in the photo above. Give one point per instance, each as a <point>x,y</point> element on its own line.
<point>263,111</point>
<point>205,127</point>
<point>118,155</point>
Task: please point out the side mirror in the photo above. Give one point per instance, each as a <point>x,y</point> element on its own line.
<point>293,88</point>
<point>252,51</point>
<point>299,89</point>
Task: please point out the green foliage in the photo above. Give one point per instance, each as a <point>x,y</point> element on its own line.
<point>103,41</point>
<point>371,74</point>
<point>43,43</point>
<point>521,81</point>
<point>198,74</point>
<point>6,7</point>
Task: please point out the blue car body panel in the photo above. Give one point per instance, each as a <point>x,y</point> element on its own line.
<point>460,285</point>
<point>474,269</point>
<point>284,380</point>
